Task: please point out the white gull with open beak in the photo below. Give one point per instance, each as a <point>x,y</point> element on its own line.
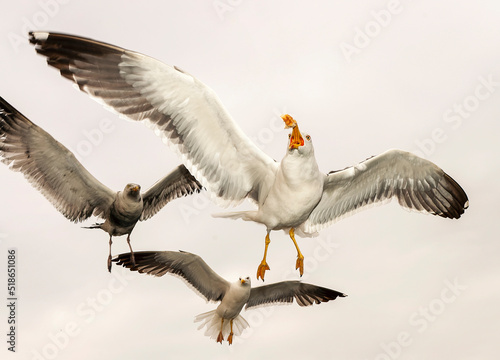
<point>290,195</point>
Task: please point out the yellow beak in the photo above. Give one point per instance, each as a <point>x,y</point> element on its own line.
<point>296,139</point>
<point>135,188</point>
<point>242,281</point>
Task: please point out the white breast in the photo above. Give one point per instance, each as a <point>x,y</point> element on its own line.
<point>234,300</point>
<point>296,191</point>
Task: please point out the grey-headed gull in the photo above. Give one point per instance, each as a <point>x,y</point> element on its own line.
<point>54,170</point>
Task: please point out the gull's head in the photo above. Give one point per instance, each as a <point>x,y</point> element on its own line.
<point>132,190</point>
<point>245,281</point>
<point>297,141</point>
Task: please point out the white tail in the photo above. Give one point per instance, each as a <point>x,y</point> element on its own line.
<point>212,322</point>
<point>244,215</point>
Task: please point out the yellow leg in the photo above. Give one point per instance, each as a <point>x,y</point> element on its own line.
<point>300,258</point>
<point>230,338</point>
<point>261,270</point>
<point>220,337</point>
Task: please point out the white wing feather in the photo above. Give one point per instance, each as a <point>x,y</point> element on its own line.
<point>182,110</point>
<point>418,184</point>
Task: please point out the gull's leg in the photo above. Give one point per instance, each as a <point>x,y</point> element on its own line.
<point>109,257</point>
<point>261,270</point>
<point>220,337</point>
<point>230,338</point>
<point>132,257</point>
<point>300,258</point>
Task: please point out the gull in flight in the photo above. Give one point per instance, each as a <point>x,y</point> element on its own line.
<point>291,195</point>
<point>53,170</point>
<point>225,321</point>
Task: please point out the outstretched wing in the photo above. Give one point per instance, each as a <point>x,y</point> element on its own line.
<point>177,183</point>
<point>180,108</point>
<point>286,291</point>
<point>418,184</point>
<point>50,167</point>
<point>189,266</point>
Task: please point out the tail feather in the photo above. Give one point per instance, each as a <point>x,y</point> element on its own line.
<point>212,322</point>
<point>94,226</point>
<point>244,215</point>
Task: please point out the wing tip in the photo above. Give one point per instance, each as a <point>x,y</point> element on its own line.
<point>36,37</point>
<point>6,109</point>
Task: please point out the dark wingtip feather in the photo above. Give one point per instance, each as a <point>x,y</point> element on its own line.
<point>140,257</point>
<point>6,108</point>
<point>31,37</point>
<point>460,200</point>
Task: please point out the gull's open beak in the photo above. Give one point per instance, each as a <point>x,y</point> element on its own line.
<point>135,188</point>
<point>296,139</point>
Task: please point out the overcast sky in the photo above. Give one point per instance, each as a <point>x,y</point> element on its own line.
<point>360,77</point>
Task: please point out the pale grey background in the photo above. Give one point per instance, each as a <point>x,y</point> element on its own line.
<point>264,60</point>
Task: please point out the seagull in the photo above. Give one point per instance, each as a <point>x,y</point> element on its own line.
<point>291,195</point>
<point>226,319</point>
<point>53,170</point>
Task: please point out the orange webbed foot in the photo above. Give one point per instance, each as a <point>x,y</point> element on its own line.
<point>300,265</point>
<point>220,338</point>
<point>261,270</point>
<point>230,338</point>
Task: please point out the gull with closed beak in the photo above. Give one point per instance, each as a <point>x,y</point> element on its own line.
<point>225,321</point>
<point>53,170</point>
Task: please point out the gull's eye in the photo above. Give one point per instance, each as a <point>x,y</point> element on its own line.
<point>308,137</point>
<point>289,136</point>
<point>240,279</point>
<point>248,278</point>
